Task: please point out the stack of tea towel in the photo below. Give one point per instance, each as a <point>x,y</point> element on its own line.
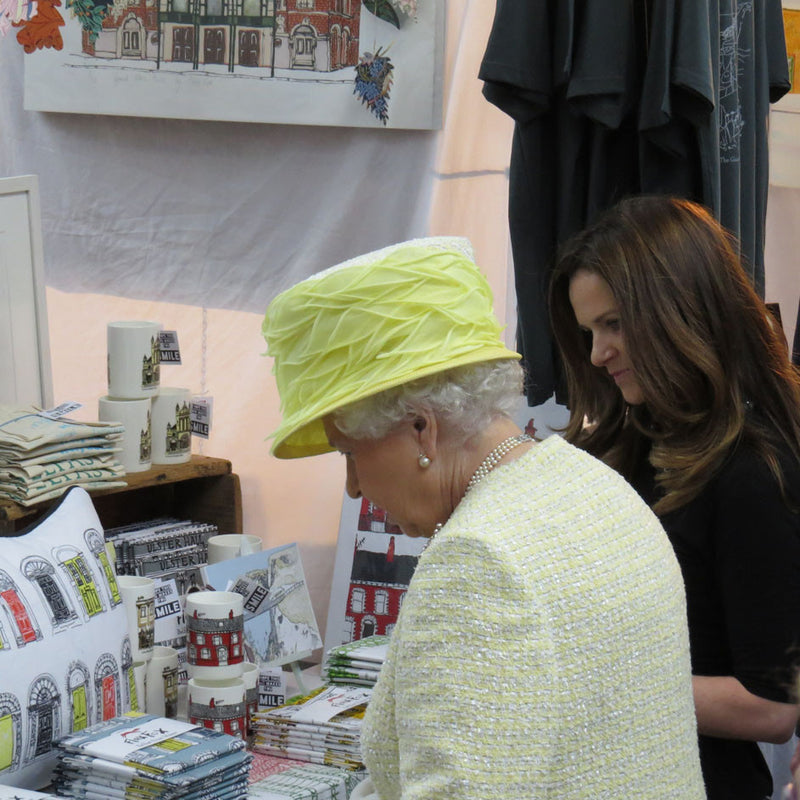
<point>151,758</point>
<point>40,457</point>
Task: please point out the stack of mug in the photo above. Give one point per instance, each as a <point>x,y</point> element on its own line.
<point>155,668</point>
<point>156,418</point>
<point>223,687</point>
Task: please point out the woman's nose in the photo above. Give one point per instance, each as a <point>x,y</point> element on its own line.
<point>351,485</point>
<point>601,351</point>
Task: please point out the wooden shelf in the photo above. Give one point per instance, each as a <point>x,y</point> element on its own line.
<point>204,489</point>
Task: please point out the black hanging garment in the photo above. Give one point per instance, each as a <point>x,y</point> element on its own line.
<point>619,97</point>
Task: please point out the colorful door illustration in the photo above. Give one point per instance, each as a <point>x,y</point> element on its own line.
<point>7,741</point>
<point>183,44</point>
<point>42,574</point>
<point>304,47</point>
<point>96,544</point>
<point>27,633</point>
<point>43,715</point>
<point>84,583</point>
<point>78,683</point>
<point>248,48</point>
<point>80,717</point>
<point>137,703</point>
<point>131,39</point>
<point>55,599</point>
<point>109,697</point>
<point>214,46</point>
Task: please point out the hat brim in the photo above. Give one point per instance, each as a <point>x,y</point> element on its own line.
<point>298,437</point>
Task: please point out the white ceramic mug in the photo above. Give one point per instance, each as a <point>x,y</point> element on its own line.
<point>136,443</point>
<point>162,682</point>
<point>134,359</point>
<point>219,705</point>
<point>214,634</point>
<point>138,596</point>
<point>171,426</point>
<point>225,546</point>
<point>250,543</point>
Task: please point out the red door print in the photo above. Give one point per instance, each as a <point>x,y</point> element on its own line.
<point>20,615</point>
<point>109,697</point>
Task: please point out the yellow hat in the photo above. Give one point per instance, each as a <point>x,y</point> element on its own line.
<point>371,323</point>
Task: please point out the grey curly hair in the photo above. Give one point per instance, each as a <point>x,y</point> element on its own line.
<point>464,399</point>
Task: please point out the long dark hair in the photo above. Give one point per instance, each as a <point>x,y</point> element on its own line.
<point>703,346</point>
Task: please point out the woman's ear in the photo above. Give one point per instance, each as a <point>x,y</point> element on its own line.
<point>425,431</point>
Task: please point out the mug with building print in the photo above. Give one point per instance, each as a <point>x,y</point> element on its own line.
<point>138,595</point>
<point>135,416</point>
<point>214,634</point>
<point>134,359</point>
<point>162,682</point>
<point>219,705</point>
<point>171,426</point>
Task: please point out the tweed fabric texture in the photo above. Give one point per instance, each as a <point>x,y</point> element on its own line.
<point>541,650</point>
<point>375,322</point>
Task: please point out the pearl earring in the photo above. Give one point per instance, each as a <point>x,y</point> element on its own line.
<point>423,461</point>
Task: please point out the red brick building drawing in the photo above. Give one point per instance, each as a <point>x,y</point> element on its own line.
<point>227,717</point>
<point>214,641</point>
<point>316,35</point>
<point>378,581</point>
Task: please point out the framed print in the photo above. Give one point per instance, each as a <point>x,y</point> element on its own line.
<point>365,63</point>
<point>25,373</point>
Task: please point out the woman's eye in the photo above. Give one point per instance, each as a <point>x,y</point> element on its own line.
<point>613,324</point>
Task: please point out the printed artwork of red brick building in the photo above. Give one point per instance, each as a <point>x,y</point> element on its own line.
<point>316,35</point>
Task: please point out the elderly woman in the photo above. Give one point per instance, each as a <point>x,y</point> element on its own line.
<point>542,648</point>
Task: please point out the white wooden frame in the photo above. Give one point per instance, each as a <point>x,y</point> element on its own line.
<point>25,371</point>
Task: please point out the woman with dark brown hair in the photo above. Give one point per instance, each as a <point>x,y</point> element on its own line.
<point>679,378</point>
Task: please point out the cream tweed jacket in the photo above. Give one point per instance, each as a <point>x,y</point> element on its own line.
<point>541,650</point>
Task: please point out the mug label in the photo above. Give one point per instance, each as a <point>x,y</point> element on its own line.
<point>200,415</point>
<point>168,345</point>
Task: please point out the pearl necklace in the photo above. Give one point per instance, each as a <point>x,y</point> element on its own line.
<point>494,458</point>
<point>486,466</point>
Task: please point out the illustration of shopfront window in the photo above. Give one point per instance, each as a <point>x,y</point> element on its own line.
<point>78,683</point>
<point>71,560</point>
<point>106,686</point>
<point>44,716</point>
<point>95,543</point>
<point>18,613</point>
<point>42,574</point>
<point>10,732</point>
